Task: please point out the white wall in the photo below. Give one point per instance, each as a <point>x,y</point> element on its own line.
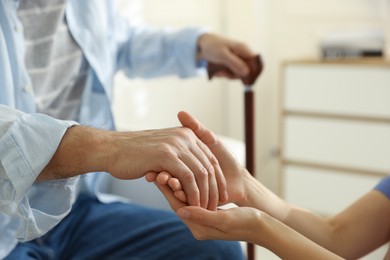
<point>141,104</point>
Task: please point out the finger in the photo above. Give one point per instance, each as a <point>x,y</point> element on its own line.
<point>236,64</point>
<point>205,135</point>
<point>225,74</point>
<point>199,216</point>
<point>180,195</point>
<point>208,138</point>
<point>175,184</point>
<point>213,192</point>
<point>200,157</point>
<point>163,178</point>
<point>212,182</point>
<point>180,170</point>
<point>221,182</point>
<point>242,50</point>
<point>197,162</point>
<point>213,188</point>
<point>169,195</point>
<point>150,176</point>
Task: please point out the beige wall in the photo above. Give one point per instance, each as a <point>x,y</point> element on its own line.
<point>279,29</point>
<point>284,30</point>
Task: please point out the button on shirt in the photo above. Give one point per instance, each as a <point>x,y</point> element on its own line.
<point>29,139</point>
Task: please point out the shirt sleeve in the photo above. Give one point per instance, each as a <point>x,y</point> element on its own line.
<point>384,186</point>
<point>148,52</point>
<point>27,143</point>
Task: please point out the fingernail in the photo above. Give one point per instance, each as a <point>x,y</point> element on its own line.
<point>226,196</point>
<point>183,213</point>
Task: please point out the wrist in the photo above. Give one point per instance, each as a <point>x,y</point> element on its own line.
<point>245,199</point>
<point>271,234</point>
<point>200,47</point>
<point>263,234</point>
<point>259,196</point>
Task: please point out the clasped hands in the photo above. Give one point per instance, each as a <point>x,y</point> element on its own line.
<point>207,222</point>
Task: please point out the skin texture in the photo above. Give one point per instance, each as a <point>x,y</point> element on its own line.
<point>265,219</point>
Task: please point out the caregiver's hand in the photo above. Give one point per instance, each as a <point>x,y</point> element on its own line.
<point>246,224</point>
<point>231,224</point>
<point>238,223</point>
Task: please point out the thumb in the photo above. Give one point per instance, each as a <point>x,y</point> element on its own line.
<point>199,216</point>
<point>205,135</point>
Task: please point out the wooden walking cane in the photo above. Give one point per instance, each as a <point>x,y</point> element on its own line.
<point>255,65</point>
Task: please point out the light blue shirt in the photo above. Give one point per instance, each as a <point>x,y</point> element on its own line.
<point>28,140</point>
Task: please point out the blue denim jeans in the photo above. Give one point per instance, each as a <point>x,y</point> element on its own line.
<point>94,230</point>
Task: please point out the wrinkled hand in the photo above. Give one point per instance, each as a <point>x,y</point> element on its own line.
<point>175,150</point>
<point>220,50</point>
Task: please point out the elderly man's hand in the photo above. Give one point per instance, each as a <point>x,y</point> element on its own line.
<point>175,150</point>
<point>230,53</point>
<point>130,155</point>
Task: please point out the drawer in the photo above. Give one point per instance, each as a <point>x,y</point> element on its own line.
<point>323,191</point>
<point>345,143</point>
<point>361,90</point>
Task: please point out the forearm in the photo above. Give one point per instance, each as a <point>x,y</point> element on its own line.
<point>287,243</point>
<point>256,195</point>
<point>315,227</point>
<point>27,143</point>
<point>168,52</point>
<point>130,155</point>
<point>309,224</point>
<point>82,150</point>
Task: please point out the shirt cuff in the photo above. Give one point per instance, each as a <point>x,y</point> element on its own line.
<point>25,149</point>
<point>186,51</point>
<point>28,146</point>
